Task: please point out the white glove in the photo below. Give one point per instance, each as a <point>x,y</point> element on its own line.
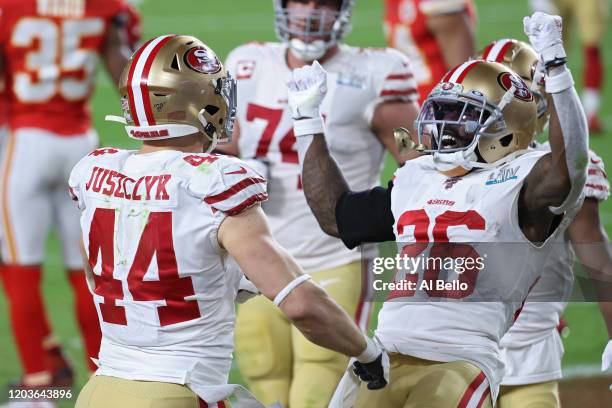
<point>307,87</point>
<point>545,34</point>
<point>606,358</point>
<point>246,290</point>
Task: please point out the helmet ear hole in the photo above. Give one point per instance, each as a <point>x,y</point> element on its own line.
<point>175,64</point>
<point>211,109</point>
<point>506,140</point>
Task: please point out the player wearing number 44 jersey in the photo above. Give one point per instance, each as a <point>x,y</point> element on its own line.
<point>49,51</point>
<point>478,184</point>
<point>371,91</point>
<point>158,227</point>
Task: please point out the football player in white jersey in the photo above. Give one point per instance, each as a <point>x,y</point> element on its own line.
<point>158,226</point>
<point>479,184</point>
<point>370,91</point>
<point>532,349</point>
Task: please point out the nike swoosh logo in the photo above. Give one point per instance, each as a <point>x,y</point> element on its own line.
<point>327,282</point>
<point>241,171</point>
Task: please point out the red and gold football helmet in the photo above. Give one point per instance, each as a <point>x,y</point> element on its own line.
<point>173,86</point>
<point>479,116</point>
<point>522,59</point>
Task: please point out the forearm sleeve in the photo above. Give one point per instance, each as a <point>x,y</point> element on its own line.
<point>365,216</point>
<point>572,121</point>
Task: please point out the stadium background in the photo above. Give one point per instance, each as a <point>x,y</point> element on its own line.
<point>226,24</point>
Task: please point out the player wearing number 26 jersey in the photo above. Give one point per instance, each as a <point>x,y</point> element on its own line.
<point>159,225</point>
<point>370,92</point>
<point>50,50</point>
<point>478,194</point>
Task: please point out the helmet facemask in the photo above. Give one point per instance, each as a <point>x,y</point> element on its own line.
<point>222,133</point>
<point>311,32</point>
<point>453,125</point>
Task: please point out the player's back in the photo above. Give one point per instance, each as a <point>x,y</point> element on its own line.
<point>164,296</point>
<point>51,49</point>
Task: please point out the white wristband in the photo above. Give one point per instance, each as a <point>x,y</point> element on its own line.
<point>310,126</point>
<point>559,82</point>
<point>371,352</point>
<point>290,286</point>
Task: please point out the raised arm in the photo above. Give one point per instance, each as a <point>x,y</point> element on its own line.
<point>455,36</point>
<point>247,238</point>
<point>557,180</point>
<point>322,180</point>
<point>355,217</point>
<point>323,184</point>
<point>117,49</point>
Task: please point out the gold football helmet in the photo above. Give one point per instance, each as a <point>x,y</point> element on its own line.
<point>174,86</point>
<point>479,116</point>
<point>522,59</point>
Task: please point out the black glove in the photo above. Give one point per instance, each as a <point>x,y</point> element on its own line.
<point>373,372</point>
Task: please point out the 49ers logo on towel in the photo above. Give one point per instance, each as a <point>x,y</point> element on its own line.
<point>202,60</point>
<point>522,92</point>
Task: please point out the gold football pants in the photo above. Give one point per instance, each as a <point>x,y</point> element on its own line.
<point>540,395</point>
<point>276,360</point>
<point>418,383</point>
<point>104,392</point>
<point>589,15</point>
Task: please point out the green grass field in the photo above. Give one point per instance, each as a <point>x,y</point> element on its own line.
<point>226,24</point>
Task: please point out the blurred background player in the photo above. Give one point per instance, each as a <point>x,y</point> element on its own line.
<point>3,119</point>
<point>532,348</point>
<point>50,50</point>
<point>371,91</point>
<point>591,17</point>
<point>435,35</point>
<point>164,295</point>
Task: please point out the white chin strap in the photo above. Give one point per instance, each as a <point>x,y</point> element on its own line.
<point>308,51</point>
<point>448,161</point>
<point>165,131</point>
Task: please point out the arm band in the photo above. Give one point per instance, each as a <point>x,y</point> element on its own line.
<point>308,126</point>
<point>289,288</point>
<point>365,216</point>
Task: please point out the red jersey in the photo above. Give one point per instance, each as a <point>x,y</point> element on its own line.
<point>134,26</point>
<point>406,30</point>
<point>3,105</point>
<point>51,49</point>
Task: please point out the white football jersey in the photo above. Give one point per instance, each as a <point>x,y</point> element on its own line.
<point>358,81</point>
<point>532,348</point>
<point>164,297</point>
<point>480,211</point>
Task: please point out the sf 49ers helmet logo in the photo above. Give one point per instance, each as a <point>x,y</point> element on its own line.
<point>201,60</point>
<point>522,92</point>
